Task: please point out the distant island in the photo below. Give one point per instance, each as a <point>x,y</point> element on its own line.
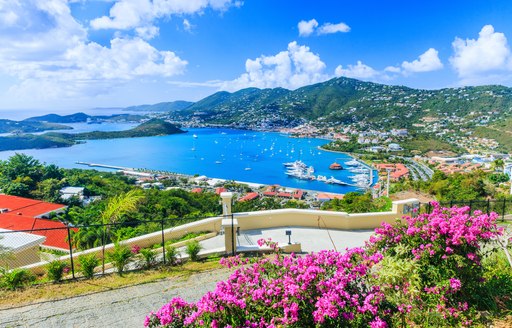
<point>80,118</point>
<point>9,126</point>
<point>153,127</point>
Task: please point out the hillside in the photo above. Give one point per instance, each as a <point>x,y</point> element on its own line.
<point>161,107</point>
<point>343,101</point>
<point>8,126</point>
<point>82,118</point>
<point>154,127</point>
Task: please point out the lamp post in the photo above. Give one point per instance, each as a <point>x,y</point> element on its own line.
<point>289,234</point>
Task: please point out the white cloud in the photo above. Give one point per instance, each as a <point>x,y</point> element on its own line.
<point>329,28</point>
<point>307,28</point>
<point>490,52</point>
<point>393,69</point>
<point>292,68</point>
<point>49,54</point>
<point>187,26</point>
<point>426,62</point>
<point>147,32</point>
<point>358,71</point>
<point>129,14</point>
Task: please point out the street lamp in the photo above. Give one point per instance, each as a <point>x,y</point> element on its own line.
<point>289,234</point>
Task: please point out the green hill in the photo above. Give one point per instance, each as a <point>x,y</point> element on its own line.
<point>154,127</point>
<point>161,107</point>
<point>343,101</point>
<point>8,126</point>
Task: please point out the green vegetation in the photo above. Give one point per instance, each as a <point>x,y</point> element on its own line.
<point>476,185</point>
<point>343,101</point>
<point>22,175</point>
<point>148,257</point>
<point>120,256</point>
<point>192,249</point>
<point>15,278</point>
<point>55,270</point>
<point>354,202</point>
<point>150,128</point>
<point>8,126</point>
<point>161,107</point>
<point>87,265</point>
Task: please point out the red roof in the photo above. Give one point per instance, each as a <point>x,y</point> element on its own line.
<point>284,194</point>
<point>27,206</point>
<point>270,193</point>
<point>249,196</point>
<point>220,190</point>
<point>54,238</point>
<point>197,190</point>
<point>298,194</point>
<point>24,214</point>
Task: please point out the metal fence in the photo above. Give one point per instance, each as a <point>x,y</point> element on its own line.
<point>503,207</point>
<point>23,247</point>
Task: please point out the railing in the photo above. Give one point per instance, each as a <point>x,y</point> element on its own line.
<point>69,242</point>
<point>503,207</point>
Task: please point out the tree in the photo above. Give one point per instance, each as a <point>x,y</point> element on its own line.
<point>117,207</point>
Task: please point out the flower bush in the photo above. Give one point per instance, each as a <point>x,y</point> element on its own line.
<point>421,271</point>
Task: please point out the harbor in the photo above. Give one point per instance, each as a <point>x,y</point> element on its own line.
<point>228,154</point>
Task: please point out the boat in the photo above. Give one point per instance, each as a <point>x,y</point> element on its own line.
<point>321,178</point>
<point>352,163</point>
<point>359,170</point>
<point>335,166</point>
<point>247,169</point>
<point>195,136</point>
<point>218,162</point>
<point>333,180</point>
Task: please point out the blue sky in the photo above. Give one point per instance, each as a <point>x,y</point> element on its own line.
<point>59,54</point>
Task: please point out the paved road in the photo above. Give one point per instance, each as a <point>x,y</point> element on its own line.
<point>124,307</point>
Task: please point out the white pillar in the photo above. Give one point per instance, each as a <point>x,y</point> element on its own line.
<point>227,198</point>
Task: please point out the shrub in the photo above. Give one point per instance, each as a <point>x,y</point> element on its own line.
<point>16,278</point>
<point>149,257</point>
<point>87,265</point>
<point>171,255</point>
<point>56,270</point>
<point>423,271</point>
<point>192,249</point>
<point>120,256</point>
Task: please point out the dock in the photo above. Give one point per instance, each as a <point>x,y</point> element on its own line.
<point>113,167</point>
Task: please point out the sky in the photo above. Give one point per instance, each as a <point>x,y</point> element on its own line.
<point>76,54</point>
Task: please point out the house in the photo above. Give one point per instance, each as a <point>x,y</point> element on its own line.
<point>31,216</point>
<point>249,196</point>
<point>69,192</point>
<point>220,190</point>
<point>197,190</point>
<point>324,197</point>
<point>23,248</point>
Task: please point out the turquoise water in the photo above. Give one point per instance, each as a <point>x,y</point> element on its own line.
<point>218,153</point>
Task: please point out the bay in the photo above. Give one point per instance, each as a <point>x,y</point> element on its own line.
<point>240,155</point>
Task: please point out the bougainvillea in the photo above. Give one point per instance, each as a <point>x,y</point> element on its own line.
<point>423,269</point>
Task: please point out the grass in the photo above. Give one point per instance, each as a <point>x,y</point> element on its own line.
<point>70,288</point>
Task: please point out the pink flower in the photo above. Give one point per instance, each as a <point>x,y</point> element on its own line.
<point>455,284</point>
<point>135,249</point>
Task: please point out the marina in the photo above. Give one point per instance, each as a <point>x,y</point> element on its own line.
<point>228,154</point>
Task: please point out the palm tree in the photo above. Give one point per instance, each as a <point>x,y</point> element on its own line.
<point>117,207</point>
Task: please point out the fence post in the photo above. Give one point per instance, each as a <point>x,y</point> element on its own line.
<point>488,206</point>
<point>503,210</point>
<point>470,205</point>
<point>451,203</point>
<point>71,252</point>
<point>163,239</point>
<point>233,235</point>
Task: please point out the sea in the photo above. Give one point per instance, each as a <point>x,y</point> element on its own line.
<point>241,155</point>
